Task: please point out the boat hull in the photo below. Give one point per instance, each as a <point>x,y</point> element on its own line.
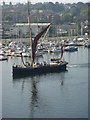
<point>71,49</point>
<point>3,59</point>
<point>88,45</point>
<point>23,72</point>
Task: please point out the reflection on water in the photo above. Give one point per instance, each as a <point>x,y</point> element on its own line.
<point>62,78</point>
<point>33,92</point>
<point>34,96</point>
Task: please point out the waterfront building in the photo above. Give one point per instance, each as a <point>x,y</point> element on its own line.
<point>65,29</point>
<point>22,29</point>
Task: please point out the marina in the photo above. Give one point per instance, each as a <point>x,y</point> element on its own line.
<point>58,64</point>
<point>44,49</point>
<point>52,95</point>
<point>34,68</point>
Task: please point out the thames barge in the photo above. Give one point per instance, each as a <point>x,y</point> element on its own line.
<point>32,68</point>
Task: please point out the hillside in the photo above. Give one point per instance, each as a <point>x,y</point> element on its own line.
<point>57,13</point>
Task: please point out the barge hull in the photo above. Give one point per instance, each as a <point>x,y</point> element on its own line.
<point>23,72</point>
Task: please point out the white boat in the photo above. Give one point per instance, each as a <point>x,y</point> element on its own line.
<point>39,54</point>
<point>26,54</point>
<point>71,49</point>
<point>2,58</point>
<point>56,50</point>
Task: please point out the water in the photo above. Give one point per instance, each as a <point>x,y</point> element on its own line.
<point>59,95</point>
<point>0,90</point>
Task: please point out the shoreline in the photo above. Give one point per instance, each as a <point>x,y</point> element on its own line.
<point>26,40</point>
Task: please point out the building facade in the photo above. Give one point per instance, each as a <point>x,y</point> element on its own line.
<point>22,29</point>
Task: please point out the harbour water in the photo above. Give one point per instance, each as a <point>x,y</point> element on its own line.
<point>56,95</point>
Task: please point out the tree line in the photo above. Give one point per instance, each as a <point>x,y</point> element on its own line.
<point>57,13</point>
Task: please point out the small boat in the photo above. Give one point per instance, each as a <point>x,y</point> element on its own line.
<point>58,59</point>
<point>56,50</point>
<point>79,44</point>
<point>25,54</point>
<point>39,54</point>
<point>2,52</point>
<point>71,44</point>
<point>87,45</point>
<point>32,68</point>
<point>3,58</point>
<point>71,49</point>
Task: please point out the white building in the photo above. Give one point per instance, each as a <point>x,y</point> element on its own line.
<point>22,29</point>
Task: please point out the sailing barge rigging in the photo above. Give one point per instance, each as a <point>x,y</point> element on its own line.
<point>32,68</point>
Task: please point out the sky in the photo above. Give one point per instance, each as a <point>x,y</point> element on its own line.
<point>36,1</point>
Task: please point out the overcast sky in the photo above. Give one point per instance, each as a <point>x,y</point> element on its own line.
<point>36,1</point>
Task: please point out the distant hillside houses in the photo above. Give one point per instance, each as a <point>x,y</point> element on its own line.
<point>66,19</point>
<point>66,29</point>
<point>14,30</point>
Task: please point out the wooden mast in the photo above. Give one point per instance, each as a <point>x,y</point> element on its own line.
<point>30,34</point>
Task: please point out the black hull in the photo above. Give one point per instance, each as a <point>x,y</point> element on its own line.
<point>3,59</point>
<point>24,72</point>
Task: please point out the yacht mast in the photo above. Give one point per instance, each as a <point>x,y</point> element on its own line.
<point>30,34</point>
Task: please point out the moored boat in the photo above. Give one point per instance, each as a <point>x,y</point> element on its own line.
<point>87,45</point>
<point>32,68</point>
<point>71,49</point>
<point>22,71</point>
<point>3,58</point>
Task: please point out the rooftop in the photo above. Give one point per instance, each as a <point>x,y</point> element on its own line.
<point>33,24</point>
